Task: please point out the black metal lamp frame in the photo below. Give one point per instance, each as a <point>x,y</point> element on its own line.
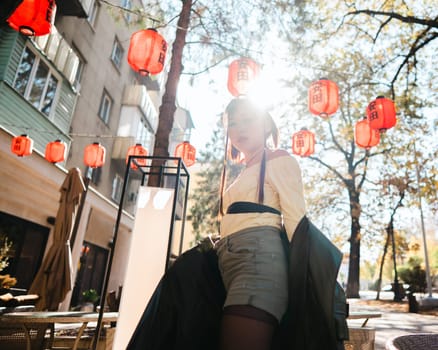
<point>172,166</point>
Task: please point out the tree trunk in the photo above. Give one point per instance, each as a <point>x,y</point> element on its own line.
<point>382,263</point>
<point>168,103</point>
<point>353,268</point>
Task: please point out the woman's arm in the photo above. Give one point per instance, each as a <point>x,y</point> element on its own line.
<point>285,178</point>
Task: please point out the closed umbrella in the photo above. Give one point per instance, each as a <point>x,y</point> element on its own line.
<point>54,278</point>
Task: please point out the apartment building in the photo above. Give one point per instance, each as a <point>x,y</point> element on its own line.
<point>74,85</point>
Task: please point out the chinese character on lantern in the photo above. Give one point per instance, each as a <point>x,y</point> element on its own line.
<point>241,75</point>
<point>323,98</point>
<point>22,145</point>
<point>381,114</point>
<point>137,150</point>
<point>303,143</point>
<point>187,152</point>
<point>147,52</point>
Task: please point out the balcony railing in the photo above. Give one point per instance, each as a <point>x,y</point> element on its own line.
<point>58,51</point>
<point>137,95</point>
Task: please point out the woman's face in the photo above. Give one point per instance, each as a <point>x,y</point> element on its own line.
<point>246,130</point>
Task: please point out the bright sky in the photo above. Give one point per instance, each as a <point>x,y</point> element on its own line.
<point>206,102</point>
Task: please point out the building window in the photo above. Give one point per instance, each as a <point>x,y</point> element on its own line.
<point>144,136</point>
<point>80,65</point>
<point>117,54</point>
<point>59,52</point>
<point>93,174</point>
<point>93,8</point>
<point>91,270</point>
<point>27,242</point>
<point>127,4</point>
<point>36,82</point>
<point>78,75</point>
<point>116,193</point>
<point>105,107</point>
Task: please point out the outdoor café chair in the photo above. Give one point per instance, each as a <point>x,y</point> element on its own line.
<point>418,341</point>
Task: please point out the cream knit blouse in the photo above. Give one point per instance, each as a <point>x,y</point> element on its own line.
<point>283,190</point>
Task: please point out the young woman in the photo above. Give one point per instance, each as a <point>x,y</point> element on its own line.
<point>236,292</point>
<point>265,196</point>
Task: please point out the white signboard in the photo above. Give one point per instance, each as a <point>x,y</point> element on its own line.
<point>147,258</point>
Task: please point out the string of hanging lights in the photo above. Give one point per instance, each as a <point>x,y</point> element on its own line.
<point>323,101</point>
<point>146,55</point>
<point>94,154</point>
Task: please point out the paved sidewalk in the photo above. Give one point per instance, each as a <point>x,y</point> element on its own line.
<point>395,320</point>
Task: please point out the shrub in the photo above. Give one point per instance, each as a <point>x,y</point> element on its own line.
<point>415,276</point>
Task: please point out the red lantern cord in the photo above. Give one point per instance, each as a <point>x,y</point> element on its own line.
<point>381,114</point>
<point>137,150</point>
<point>365,136</point>
<point>323,98</point>
<point>303,143</point>
<point>22,145</point>
<point>94,155</point>
<point>55,151</point>
<point>187,152</point>
<point>241,74</point>
<point>33,17</point>
<point>147,52</point>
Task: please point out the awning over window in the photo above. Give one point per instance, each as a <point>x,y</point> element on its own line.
<point>70,8</point>
<point>7,7</point>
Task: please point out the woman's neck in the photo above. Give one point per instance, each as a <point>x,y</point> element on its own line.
<point>254,157</point>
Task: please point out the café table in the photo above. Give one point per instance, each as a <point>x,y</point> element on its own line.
<point>361,337</point>
<point>25,319</point>
<point>355,315</point>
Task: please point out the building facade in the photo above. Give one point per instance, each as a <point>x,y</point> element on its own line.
<point>74,85</point>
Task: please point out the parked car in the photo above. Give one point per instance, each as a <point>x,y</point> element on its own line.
<point>388,287</point>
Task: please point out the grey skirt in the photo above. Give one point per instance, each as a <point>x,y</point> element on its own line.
<point>254,269</point>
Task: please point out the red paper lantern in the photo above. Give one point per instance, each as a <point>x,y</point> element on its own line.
<point>94,155</point>
<point>22,145</point>
<point>241,73</point>
<point>187,152</point>
<point>381,113</point>
<point>147,52</point>
<point>323,98</point>
<point>33,17</point>
<point>137,150</point>
<point>55,151</point>
<point>303,143</point>
<point>364,136</point>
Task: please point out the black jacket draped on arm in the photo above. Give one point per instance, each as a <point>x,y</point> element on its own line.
<point>185,309</point>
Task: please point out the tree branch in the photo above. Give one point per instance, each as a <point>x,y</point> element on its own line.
<point>338,146</point>
<point>414,48</point>
<point>216,63</point>
<point>328,166</point>
<point>392,15</point>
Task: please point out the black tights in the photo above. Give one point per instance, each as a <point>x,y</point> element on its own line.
<point>245,327</point>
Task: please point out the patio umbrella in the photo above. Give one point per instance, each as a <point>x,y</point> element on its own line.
<point>54,278</point>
